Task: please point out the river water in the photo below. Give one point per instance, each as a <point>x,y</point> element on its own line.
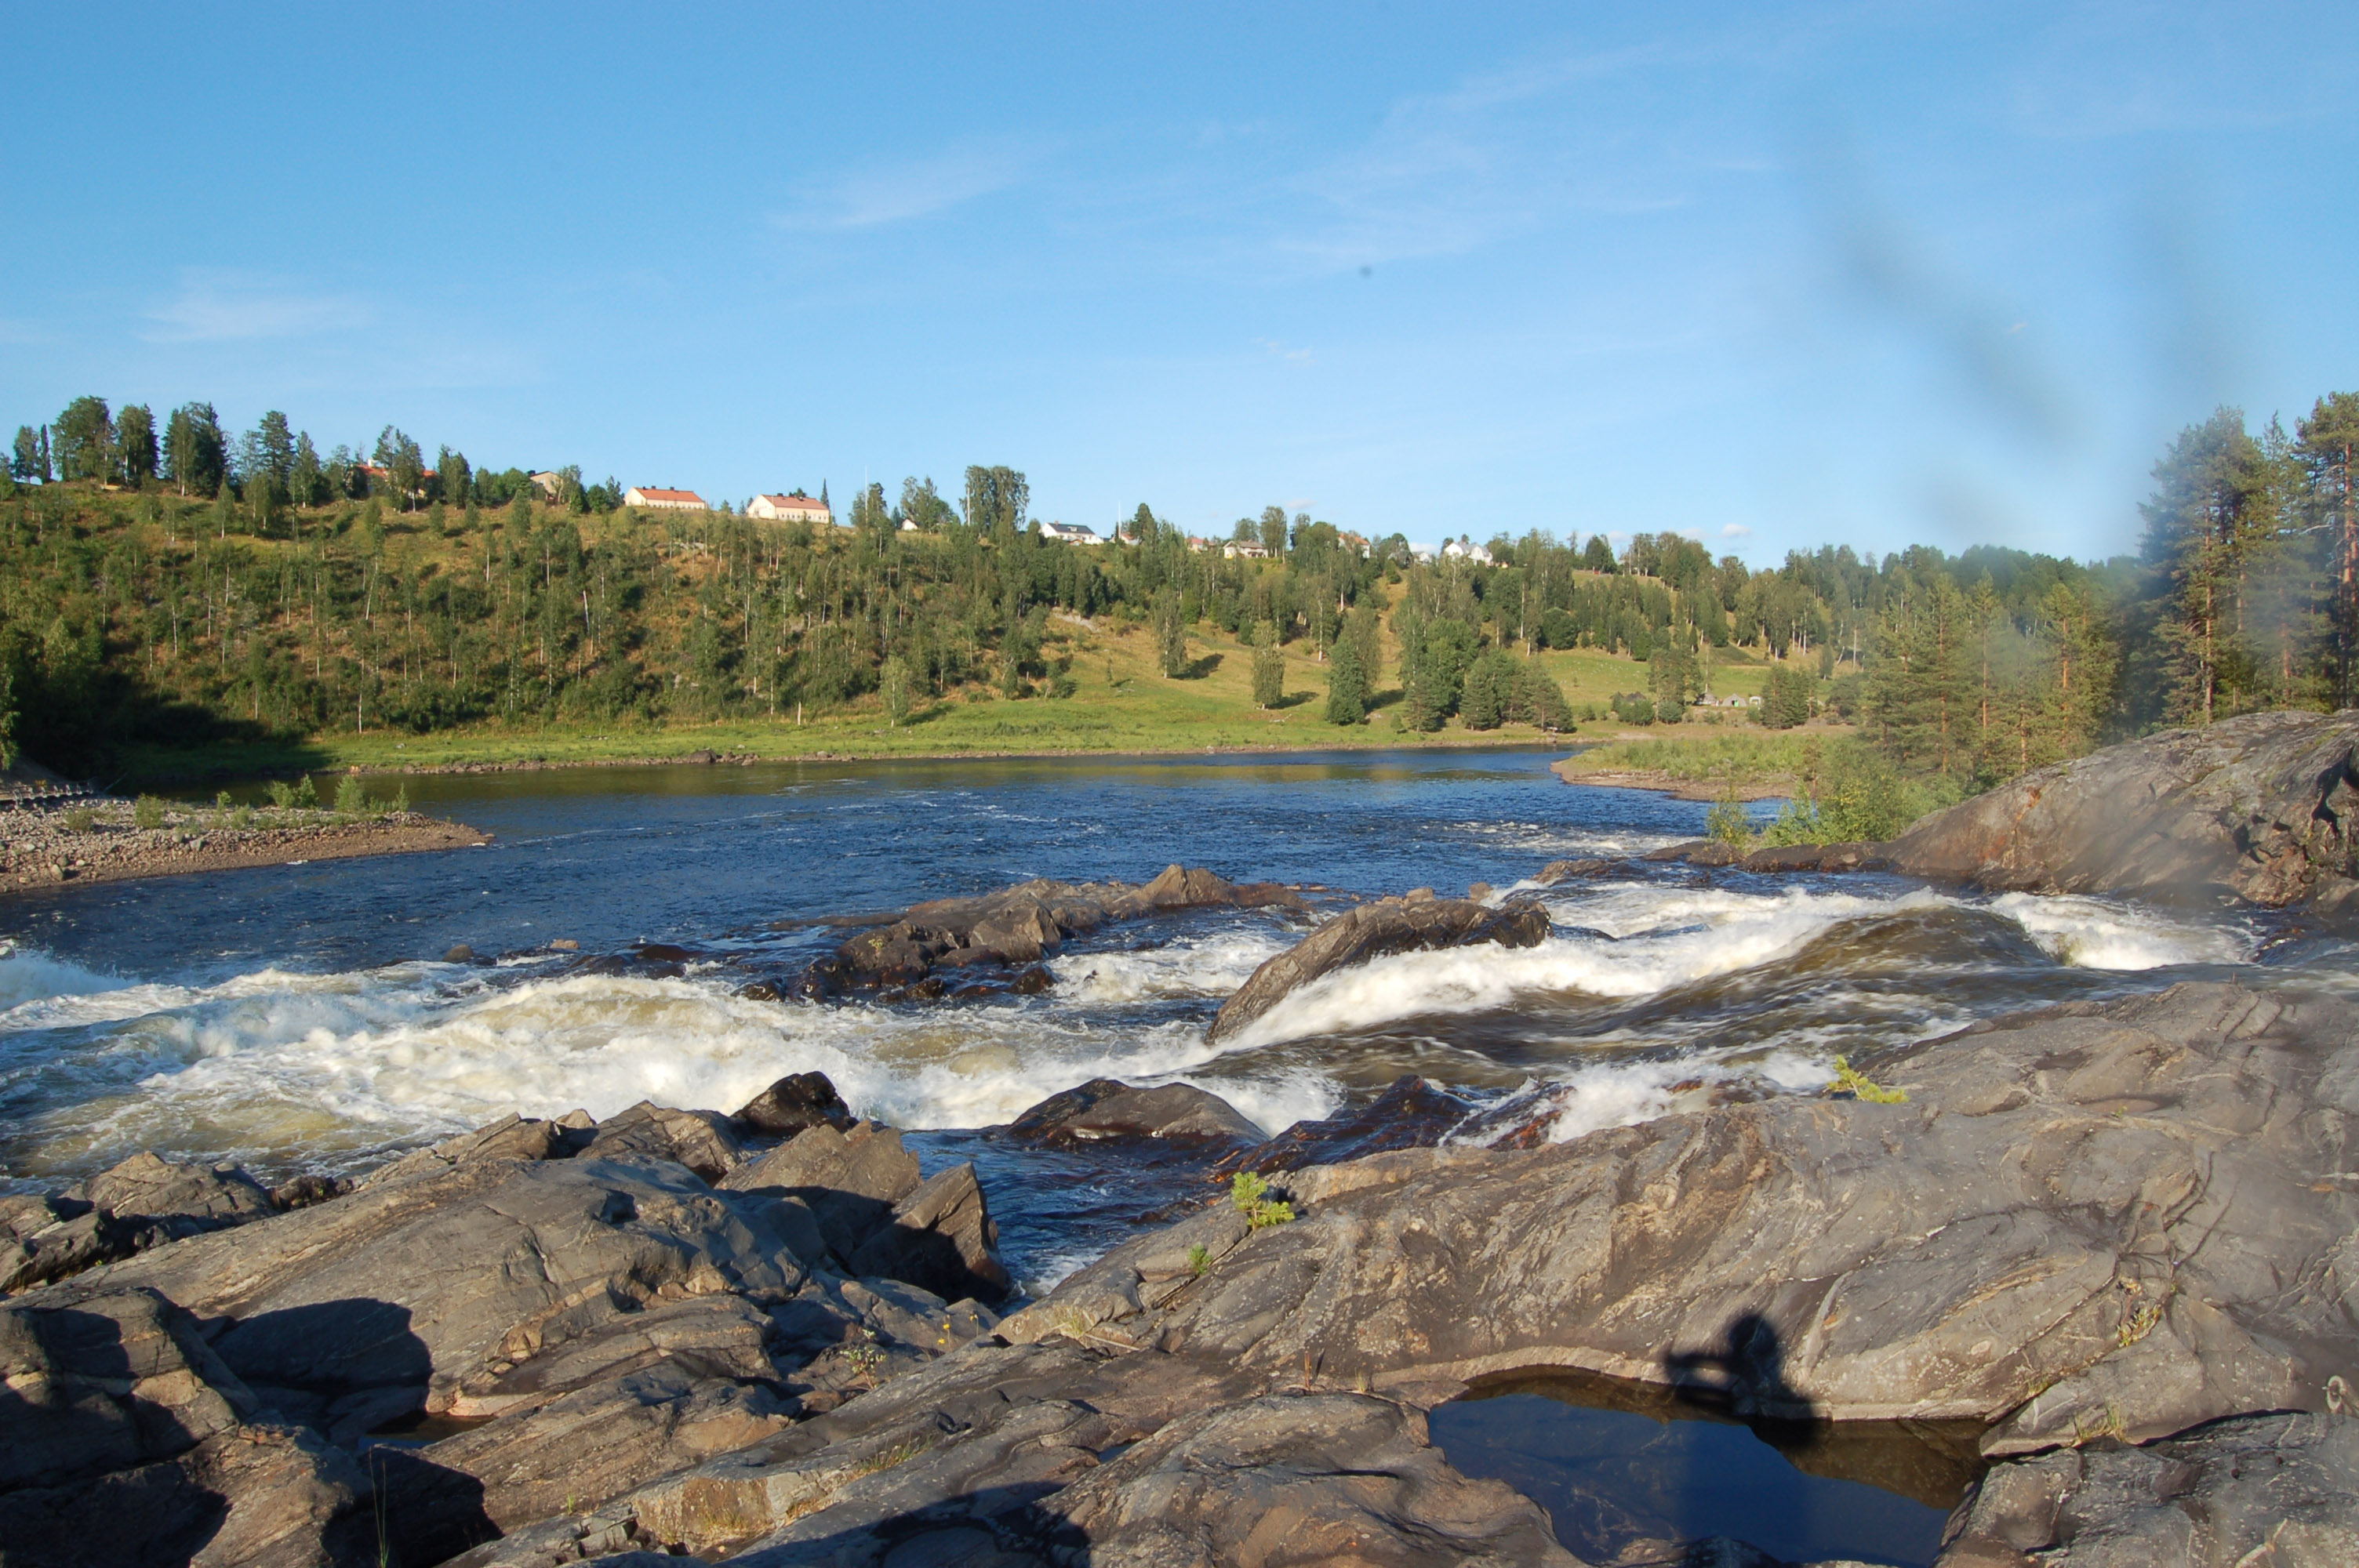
<point>301,1018</point>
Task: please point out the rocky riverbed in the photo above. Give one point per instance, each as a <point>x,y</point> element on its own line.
<point>2104,1250</point>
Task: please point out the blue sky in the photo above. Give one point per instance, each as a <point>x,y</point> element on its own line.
<point>1776,276</point>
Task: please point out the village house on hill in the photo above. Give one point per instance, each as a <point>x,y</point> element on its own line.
<point>795,508</point>
<point>664,500</point>
<point>1071,534</point>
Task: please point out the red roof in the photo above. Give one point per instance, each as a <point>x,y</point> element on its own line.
<point>811,502</point>
<point>672,495</point>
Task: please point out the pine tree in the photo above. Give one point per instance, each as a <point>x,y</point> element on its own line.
<point>1268,667</point>
<point>1347,684</point>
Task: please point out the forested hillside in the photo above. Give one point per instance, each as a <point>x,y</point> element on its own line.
<point>178,587</point>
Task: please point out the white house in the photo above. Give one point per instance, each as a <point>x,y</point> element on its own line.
<point>550,483</point>
<point>790,509</point>
<point>1460,549</point>
<point>664,500</point>
<point>1246,549</point>
<point>1070,533</point>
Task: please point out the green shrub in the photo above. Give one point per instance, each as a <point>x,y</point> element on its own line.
<point>307,793</point>
<point>242,818</point>
<point>147,811</point>
<point>1251,1195</point>
<point>1199,1260</point>
<point>1852,793</point>
<point>1730,823</point>
<point>1633,707</point>
<point>282,793</point>
<point>1850,1080</point>
<point>81,819</point>
<point>351,800</point>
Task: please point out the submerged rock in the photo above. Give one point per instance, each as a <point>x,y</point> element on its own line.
<point>2259,808</point>
<point>1372,931</point>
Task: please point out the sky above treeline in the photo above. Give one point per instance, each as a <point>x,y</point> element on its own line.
<point>1773,275</point>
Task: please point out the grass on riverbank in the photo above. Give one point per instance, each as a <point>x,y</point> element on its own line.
<point>1121,702</point>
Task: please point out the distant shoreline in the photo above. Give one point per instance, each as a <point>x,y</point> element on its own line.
<point>41,853</point>
<point>1764,788</point>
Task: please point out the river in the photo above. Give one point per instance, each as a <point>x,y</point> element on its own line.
<point>303,1018</point>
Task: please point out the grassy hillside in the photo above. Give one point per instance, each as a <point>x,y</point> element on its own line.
<point>148,637</point>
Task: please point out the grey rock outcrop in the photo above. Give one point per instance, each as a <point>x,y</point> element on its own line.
<point>2260,807</point>
<point>421,1284</point>
<point>1371,931</point>
<point>253,1497</point>
<point>703,1141</point>
<point>144,1201</point>
<point>2262,1491</point>
<point>1320,1477</point>
<point>2080,1224</point>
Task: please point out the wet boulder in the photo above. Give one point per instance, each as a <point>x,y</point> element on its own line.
<point>795,1102</point>
<point>1557,872</point>
<point>1375,930</point>
<point>2258,807</point>
<point>1021,925</point>
<point>1108,1110</point>
<point>1699,852</point>
<point>1775,859</point>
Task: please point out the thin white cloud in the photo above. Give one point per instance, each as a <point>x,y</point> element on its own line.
<point>1734,531</point>
<point>228,306</point>
<point>898,193</point>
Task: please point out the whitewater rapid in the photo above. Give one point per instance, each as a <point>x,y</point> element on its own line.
<point>1652,996</point>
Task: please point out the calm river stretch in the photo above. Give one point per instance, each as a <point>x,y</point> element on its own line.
<point>303,1018</point>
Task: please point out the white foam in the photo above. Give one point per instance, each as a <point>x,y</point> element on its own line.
<point>324,1065</point>
<point>1641,945</point>
<point>1212,967</point>
<point>2096,935</point>
<point>28,976</point>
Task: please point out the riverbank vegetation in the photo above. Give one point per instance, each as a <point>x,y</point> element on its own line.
<point>175,601</point>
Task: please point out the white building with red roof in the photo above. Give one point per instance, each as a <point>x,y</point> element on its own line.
<point>664,500</point>
<point>797,508</point>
